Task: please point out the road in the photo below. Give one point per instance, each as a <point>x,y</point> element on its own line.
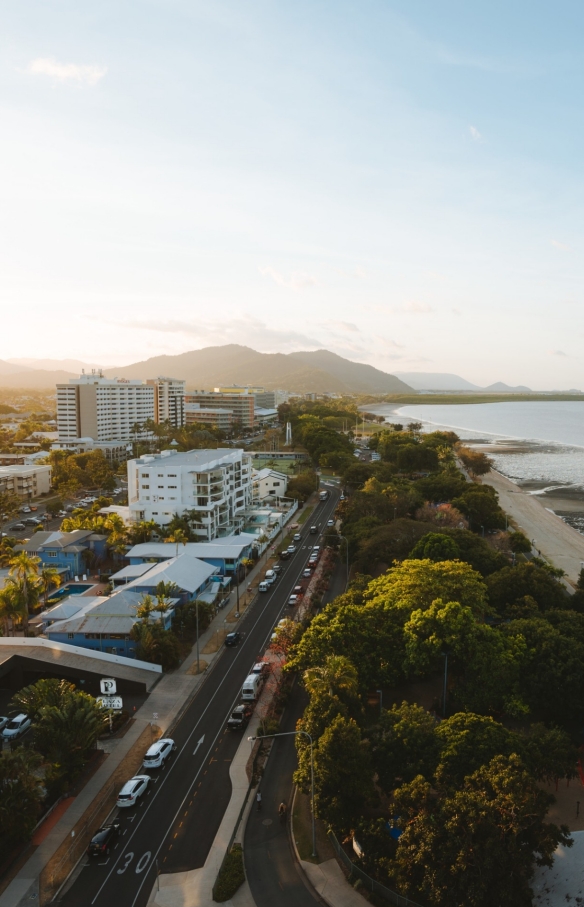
<point>271,868</point>
<point>175,823</point>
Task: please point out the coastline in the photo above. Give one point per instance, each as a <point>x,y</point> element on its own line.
<point>559,543</point>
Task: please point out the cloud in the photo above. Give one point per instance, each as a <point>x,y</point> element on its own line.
<point>244,330</point>
<point>297,280</point>
<point>342,326</point>
<point>456,311</point>
<point>557,353</point>
<point>356,274</point>
<point>560,245</point>
<point>418,308</point>
<point>475,134</point>
<point>66,72</point>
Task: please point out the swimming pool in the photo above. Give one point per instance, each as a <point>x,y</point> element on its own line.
<point>71,589</point>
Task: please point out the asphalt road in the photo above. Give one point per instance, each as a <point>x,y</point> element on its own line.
<point>174,825</point>
<point>271,867</point>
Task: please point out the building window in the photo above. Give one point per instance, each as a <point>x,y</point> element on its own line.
<point>172,486</point>
<point>70,636</point>
<point>51,554</point>
<point>145,486</point>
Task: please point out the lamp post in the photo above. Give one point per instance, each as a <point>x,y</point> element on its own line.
<point>347,552</point>
<point>445,683</point>
<point>380,701</point>
<point>296,734</point>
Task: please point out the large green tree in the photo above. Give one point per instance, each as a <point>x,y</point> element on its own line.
<point>21,796</point>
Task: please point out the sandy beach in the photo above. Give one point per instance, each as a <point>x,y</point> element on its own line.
<point>557,541</point>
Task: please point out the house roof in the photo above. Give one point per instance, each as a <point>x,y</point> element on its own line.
<point>266,472</point>
<point>116,614</point>
<point>131,572</point>
<point>188,573</point>
<point>58,539</point>
<point>72,607</point>
<point>227,546</point>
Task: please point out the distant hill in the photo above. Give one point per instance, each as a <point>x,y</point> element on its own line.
<point>436,381</point>
<point>443,381</point>
<point>59,365</point>
<point>39,379</point>
<point>505,389</point>
<point>7,368</point>
<point>319,371</point>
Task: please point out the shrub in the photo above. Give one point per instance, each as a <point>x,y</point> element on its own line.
<point>231,875</point>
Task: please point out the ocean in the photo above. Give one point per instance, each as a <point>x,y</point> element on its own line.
<point>538,445</point>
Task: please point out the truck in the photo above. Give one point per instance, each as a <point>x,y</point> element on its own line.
<point>324,495</point>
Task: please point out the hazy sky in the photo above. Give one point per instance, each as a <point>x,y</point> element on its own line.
<point>400,181</point>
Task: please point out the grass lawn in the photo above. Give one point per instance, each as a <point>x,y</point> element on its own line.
<point>285,466</point>
<point>303,832</point>
<point>305,514</point>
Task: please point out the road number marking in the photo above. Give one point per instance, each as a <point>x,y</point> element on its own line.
<point>143,862</point>
<point>129,858</point>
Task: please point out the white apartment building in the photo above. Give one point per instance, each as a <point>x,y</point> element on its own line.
<point>268,483</point>
<point>27,482</point>
<point>214,486</point>
<point>106,409</point>
<point>169,400</point>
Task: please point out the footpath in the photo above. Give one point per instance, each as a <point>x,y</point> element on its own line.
<point>558,542</point>
<point>160,711</point>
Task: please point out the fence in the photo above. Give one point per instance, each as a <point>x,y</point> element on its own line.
<point>387,894</point>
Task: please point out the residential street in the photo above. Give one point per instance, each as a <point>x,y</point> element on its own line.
<point>172,829</point>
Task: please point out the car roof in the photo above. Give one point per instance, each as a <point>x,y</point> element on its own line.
<point>156,747</point>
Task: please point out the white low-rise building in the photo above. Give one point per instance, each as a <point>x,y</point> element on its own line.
<point>213,486</point>
<point>27,482</point>
<point>269,483</point>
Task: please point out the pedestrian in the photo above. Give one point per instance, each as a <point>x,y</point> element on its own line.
<point>259,801</point>
<point>282,811</point>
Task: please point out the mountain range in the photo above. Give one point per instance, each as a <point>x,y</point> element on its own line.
<point>443,381</point>
<point>319,371</point>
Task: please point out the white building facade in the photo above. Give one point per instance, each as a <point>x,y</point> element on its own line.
<point>213,486</point>
<point>27,482</point>
<point>267,483</point>
<point>107,409</point>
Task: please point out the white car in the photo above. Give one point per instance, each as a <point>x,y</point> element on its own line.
<point>16,727</point>
<point>25,509</point>
<point>132,789</point>
<point>158,753</point>
<point>3,722</point>
<point>330,523</point>
<point>293,600</point>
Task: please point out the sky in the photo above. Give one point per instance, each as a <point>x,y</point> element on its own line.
<point>401,182</point>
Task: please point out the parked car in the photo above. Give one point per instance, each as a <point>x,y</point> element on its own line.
<point>16,727</point>
<point>101,842</point>
<point>262,668</point>
<point>284,555</point>
<point>330,523</point>
<point>313,530</point>
<point>298,590</point>
<point>132,789</point>
<point>157,754</point>
<point>307,573</point>
<point>270,577</point>
<point>25,509</point>
<point>264,587</point>
<point>293,600</point>
<point>342,498</point>
<point>3,722</point>
<point>296,537</point>
<point>19,527</point>
<point>277,568</point>
<point>291,549</point>
<point>233,639</point>
<point>239,717</point>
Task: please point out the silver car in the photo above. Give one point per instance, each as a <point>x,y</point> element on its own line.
<point>132,789</point>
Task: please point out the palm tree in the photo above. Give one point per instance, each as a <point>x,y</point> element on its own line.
<point>13,606</point>
<point>24,572</point>
<point>179,536</point>
<point>337,675</point>
<point>146,608</point>
<point>49,576</point>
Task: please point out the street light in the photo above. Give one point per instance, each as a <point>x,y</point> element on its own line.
<point>295,734</point>
<point>347,551</point>
<point>380,701</point>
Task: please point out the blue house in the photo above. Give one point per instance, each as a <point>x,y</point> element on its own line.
<point>226,553</point>
<point>69,552</point>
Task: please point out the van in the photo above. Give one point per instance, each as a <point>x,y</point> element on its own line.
<point>251,687</point>
<point>270,577</point>
<point>324,495</point>
<point>264,587</point>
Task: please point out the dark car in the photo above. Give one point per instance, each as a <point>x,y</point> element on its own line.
<point>232,639</point>
<point>102,840</point>
<point>298,590</point>
<point>239,717</point>
<point>284,555</point>
<point>19,527</point>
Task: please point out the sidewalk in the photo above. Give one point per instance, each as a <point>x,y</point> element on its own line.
<point>558,542</point>
<point>329,880</point>
<point>166,701</point>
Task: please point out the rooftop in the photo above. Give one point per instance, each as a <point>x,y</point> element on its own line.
<point>195,459</point>
<point>188,573</point>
